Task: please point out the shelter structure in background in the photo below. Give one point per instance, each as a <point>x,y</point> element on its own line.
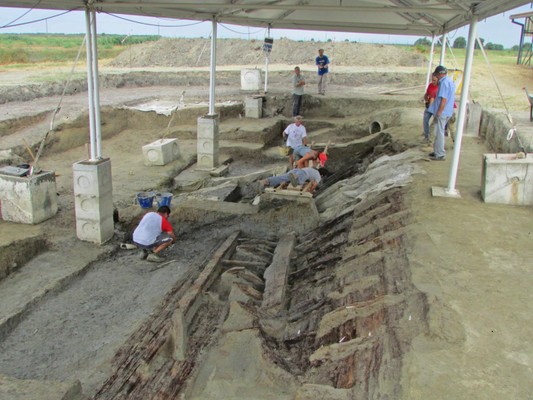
<point>525,51</point>
<point>414,17</point>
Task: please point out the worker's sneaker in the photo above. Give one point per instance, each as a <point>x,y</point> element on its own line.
<point>294,180</point>
<point>440,158</point>
<point>143,254</point>
<point>153,257</point>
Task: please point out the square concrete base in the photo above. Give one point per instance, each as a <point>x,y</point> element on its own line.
<point>161,152</point>
<point>507,179</point>
<point>253,107</point>
<point>28,199</point>
<point>437,191</point>
<point>95,231</point>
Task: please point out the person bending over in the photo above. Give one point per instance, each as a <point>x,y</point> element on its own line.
<point>154,233</point>
<point>304,154</point>
<point>297,177</point>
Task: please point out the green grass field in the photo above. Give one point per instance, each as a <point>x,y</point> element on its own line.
<point>26,49</point>
<point>22,49</point>
<point>455,58</point>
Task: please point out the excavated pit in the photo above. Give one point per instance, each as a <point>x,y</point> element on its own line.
<point>289,299</point>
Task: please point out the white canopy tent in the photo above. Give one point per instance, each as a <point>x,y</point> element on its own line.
<point>405,17</point>
<point>402,17</point>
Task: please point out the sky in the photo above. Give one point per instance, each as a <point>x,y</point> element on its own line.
<point>498,29</point>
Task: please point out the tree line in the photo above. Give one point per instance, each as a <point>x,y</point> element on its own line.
<point>460,43</point>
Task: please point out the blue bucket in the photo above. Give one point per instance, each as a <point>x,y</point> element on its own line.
<point>145,199</point>
<point>163,199</point>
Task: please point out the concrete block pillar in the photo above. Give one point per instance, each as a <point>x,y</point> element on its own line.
<point>253,107</point>
<point>93,193</point>
<point>28,199</point>
<point>207,142</point>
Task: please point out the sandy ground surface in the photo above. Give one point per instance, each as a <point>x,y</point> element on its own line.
<point>473,261</point>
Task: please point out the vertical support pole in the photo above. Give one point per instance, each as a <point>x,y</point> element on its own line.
<point>443,49</point>
<point>462,106</point>
<point>90,85</point>
<point>520,49</point>
<point>96,85</point>
<point>213,68</point>
<point>267,55</point>
<point>430,63</point>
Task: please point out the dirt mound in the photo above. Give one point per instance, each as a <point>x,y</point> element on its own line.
<point>196,53</point>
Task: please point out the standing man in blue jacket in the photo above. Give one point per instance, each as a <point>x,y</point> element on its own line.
<point>442,110</point>
<point>322,62</point>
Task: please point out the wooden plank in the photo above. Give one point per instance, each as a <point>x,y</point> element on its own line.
<point>276,275</point>
<point>189,303</point>
<point>288,193</point>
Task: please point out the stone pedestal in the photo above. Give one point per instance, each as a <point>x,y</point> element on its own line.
<point>253,107</point>
<point>507,179</point>
<point>251,80</point>
<point>28,199</point>
<point>161,152</point>
<point>207,142</point>
<point>93,193</point>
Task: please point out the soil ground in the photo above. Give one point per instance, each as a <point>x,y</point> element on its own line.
<point>471,259</point>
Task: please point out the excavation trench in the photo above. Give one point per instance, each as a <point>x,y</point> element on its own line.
<point>269,297</point>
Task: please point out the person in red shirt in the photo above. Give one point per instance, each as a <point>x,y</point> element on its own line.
<point>154,233</point>
<point>429,97</point>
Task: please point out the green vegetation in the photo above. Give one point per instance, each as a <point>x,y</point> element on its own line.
<point>46,48</point>
<point>423,44</point>
<point>459,43</point>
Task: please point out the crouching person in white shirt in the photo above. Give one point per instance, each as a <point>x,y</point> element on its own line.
<point>154,234</point>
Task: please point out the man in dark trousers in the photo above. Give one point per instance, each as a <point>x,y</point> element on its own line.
<point>298,83</point>
<point>322,62</point>
<point>442,110</point>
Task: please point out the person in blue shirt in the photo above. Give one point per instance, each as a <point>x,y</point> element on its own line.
<point>322,62</point>
<point>442,110</point>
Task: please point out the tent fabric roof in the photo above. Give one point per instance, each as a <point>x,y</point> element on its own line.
<point>400,17</point>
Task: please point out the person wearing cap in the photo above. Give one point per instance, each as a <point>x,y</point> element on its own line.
<point>154,233</point>
<point>296,135</point>
<point>298,83</point>
<point>322,62</point>
<point>304,154</point>
<point>442,110</point>
<point>309,155</point>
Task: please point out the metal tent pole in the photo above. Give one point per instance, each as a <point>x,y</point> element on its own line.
<point>213,68</point>
<point>443,49</point>
<point>462,107</point>
<point>430,63</point>
<point>266,63</point>
<point>90,85</point>
<point>96,85</point>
